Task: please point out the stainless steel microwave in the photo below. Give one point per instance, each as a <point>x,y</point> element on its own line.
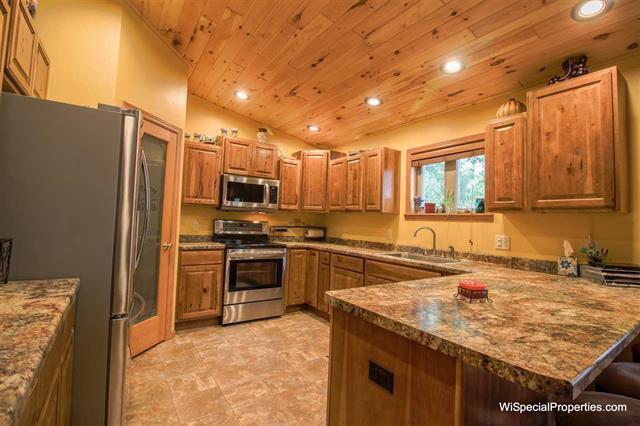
<point>249,193</point>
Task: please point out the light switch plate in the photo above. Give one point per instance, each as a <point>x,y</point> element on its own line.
<point>503,242</point>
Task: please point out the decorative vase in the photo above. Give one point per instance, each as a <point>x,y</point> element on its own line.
<point>234,133</point>
<point>479,207</point>
<point>262,135</point>
<point>224,132</point>
<point>187,137</point>
<point>429,207</point>
<point>511,107</point>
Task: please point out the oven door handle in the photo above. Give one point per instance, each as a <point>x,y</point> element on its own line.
<point>271,255</point>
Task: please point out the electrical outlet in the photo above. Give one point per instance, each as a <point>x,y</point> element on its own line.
<point>503,242</point>
<point>195,225</point>
<point>389,234</point>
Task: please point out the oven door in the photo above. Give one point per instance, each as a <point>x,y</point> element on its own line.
<point>249,193</point>
<point>254,275</point>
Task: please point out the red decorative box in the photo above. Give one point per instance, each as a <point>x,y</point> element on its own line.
<point>472,290</point>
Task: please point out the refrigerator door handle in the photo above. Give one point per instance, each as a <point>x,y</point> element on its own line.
<point>147,208</point>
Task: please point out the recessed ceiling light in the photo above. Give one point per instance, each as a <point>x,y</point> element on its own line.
<point>452,67</point>
<point>590,9</point>
<point>313,128</point>
<point>242,95</point>
<point>373,101</point>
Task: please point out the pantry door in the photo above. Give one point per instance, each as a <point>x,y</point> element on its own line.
<point>156,248</point>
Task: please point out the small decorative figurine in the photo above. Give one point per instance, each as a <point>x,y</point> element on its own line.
<point>197,137</point>
<point>511,107</point>
<point>572,67</point>
<point>234,132</point>
<point>209,139</point>
<point>224,132</point>
<point>187,137</point>
<point>595,255</point>
<point>262,134</point>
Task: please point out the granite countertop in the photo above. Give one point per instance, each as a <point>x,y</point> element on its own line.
<point>549,333</point>
<point>201,245</point>
<point>30,314</point>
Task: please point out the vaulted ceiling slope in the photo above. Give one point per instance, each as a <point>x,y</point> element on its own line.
<point>314,61</point>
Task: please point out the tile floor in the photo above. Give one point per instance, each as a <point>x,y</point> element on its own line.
<point>268,372</point>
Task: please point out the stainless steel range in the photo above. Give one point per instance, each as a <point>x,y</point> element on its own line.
<point>254,272</point>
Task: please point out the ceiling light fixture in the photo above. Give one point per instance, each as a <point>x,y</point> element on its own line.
<point>373,101</point>
<point>590,9</point>
<point>452,67</point>
<point>313,128</point>
<point>242,95</point>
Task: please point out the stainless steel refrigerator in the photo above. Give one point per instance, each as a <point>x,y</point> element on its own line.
<point>68,192</point>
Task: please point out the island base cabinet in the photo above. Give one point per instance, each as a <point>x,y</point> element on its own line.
<point>379,377</point>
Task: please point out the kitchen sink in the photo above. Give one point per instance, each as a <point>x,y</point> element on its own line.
<point>422,257</point>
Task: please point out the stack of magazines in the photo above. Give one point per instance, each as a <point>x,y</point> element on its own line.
<point>612,274</point>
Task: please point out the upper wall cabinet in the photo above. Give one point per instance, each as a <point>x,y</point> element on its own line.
<point>355,181</point>
<point>381,187</point>
<point>575,150</point>
<point>201,173</point>
<point>337,184</point>
<point>504,162</point>
<point>5,12</point>
<point>41,66</point>
<point>315,164</point>
<point>290,183</point>
<point>21,48</point>
<point>250,158</point>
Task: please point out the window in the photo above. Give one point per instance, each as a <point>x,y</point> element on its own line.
<point>449,173</point>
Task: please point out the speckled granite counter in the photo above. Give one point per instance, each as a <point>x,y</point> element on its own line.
<point>30,314</point>
<point>551,334</point>
<point>200,245</point>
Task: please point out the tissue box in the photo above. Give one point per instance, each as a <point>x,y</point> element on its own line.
<point>568,266</point>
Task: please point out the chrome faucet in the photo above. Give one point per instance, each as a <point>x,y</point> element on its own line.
<point>415,234</point>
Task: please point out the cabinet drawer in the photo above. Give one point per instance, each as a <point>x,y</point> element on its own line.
<point>371,280</point>
<point>397,273</point>
<point>325,257</point>
<point>200,257</point>
<point>355,264</point>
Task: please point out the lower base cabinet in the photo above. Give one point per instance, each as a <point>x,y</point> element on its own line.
<point>324,280</point>
<point>199,285</point>
<point>343,278</point>
<point>311,282</point>
<point>296,276</point>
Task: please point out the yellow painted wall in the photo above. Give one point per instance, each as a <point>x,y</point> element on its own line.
<point>205,117</point>
<point>150,75</point>
<point>534,235</point>
<point>82,39</point>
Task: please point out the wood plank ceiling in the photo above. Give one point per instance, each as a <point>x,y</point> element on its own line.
<point>314,61</point>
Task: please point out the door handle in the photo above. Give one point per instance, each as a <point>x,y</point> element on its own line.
<point>167,246</point>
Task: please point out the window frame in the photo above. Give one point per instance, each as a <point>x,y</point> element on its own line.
<point>442,151</point>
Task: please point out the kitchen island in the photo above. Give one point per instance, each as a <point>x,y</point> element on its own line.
<point>410,353</point>
<point>36,346</point>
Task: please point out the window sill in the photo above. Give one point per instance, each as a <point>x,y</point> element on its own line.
<point>453,217</point>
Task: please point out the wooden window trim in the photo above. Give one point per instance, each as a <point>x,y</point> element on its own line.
<point>441,151</point>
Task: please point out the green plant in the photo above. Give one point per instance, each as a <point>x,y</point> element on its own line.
<point>449,201</point>
<point>594,254</point>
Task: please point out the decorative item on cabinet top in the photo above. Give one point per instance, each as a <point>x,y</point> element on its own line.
<point>511,107</point>
<point>572,67</point>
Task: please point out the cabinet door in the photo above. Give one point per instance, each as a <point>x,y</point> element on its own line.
<point>21,51</point>
<point>570,151</point>
<point>49,414</point>
<point>41,71</point>
<point>337,184</point>
<point>371,280</point>
<point>504,163</point>
<point>314,180</point>
<point>264,161</point>
<point>66,368</point>
<point>373,180</point>
<point>296,276</point>
<point>199,290</point>
<point>341,279</point>
<point>4,31</point>
<point>354,183</point>
<point>237,156</point>
<point>201,174</point>
<point>290,183</point>
<point>324,279</point>
<point>311,284</point>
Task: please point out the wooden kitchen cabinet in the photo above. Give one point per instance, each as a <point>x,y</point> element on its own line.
<point>290,183</point>
<point>381,187</point>
<point>41,66</point>
<point>504,163</point>
<point>576,153</point>
<point>5,16</point>
<point>296,276</point>
<point>246,157</point>
<point>337,183</point>
<point>377,272</point>
<point>199,285</point>
<point>21,51</point>
<point>343,278</point>
<point>201,180</point>
<point>315,164</point>
<point>311,282</point>
<point>354,182</point>
<point>324,283</point>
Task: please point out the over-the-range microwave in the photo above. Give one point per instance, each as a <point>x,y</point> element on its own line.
<point>249,193</point>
